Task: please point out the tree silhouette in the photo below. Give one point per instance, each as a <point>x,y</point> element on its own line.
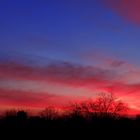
<point>49,113</point>
<point>22,115</point>
<point>105,105</point>
<point>108,104</point>
<point>10,113</point>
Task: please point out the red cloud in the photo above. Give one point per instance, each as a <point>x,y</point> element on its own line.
<point>129,9</point>
<point>66,74</point>
<point>18,98</point>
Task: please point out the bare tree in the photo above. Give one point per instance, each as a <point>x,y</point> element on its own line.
<point>10,113</point>
<point>49,113</point>
<point>105,104</point>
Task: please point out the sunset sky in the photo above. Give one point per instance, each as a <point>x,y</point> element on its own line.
<point>57,51</point>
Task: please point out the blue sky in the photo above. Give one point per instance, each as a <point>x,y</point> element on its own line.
<point>69,35</point>
<point>62,30</point>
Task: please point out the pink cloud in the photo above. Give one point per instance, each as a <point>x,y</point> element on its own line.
<point>63,73</point>
<point>67,74</point>
<point>18,98</point>
<point>128,9</point>
<point>71,74</point>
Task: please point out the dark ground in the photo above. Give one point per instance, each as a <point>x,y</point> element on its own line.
<point>21,126</point>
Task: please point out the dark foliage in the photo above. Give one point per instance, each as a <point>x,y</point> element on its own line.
<point>88,120</point>
<point>72,125</point>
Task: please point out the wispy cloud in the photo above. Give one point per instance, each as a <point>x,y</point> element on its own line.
<point>65,73</point>
<point>93,78</point>
<point>19,98</point>
<point>128,9</point>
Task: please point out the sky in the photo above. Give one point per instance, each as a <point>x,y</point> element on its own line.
<point>58,51</point>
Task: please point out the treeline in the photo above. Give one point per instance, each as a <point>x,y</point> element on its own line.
<point>105,115</point>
